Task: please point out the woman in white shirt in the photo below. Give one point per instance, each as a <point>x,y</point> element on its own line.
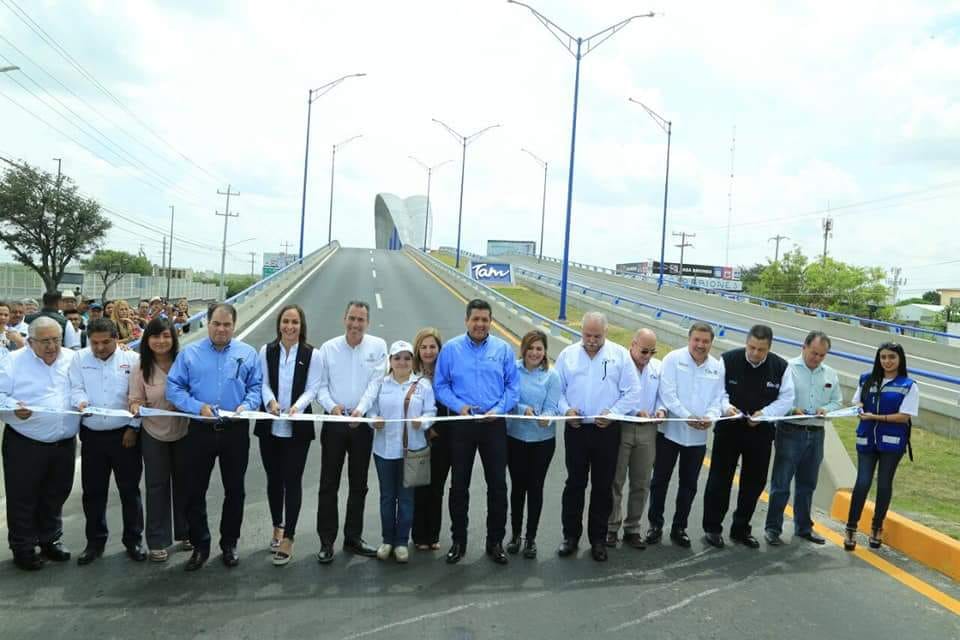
<point>291,368</point>
<point>401,394</point>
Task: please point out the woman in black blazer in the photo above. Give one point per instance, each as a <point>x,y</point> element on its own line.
<point>291,367</point>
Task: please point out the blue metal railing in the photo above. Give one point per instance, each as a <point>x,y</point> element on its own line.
<point>721,328</point>
<point>892,327</point>
<point>195,321</point>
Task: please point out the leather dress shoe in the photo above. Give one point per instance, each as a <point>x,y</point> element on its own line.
<point>634,540</point>
<point>612,540</point>
<point>136,552</point>
<point>55,551</point>
<point>530,549</point>
<point>360,548</point>
<point>714,540</point>
<point>325,555</point>
<point>680,538</point>
<point>513,547</point>
<point>197,560</point>
<point>495,553</point>
<point>567,548</point>
<point>773,538</point>
<point>599,552</point>
<point>28,561</point>
<point>654,536</point>
<point>812,537</point>
<point>89,554</point>
<point>456,553</point>
<point>746,540</point>
<point>230,557</point>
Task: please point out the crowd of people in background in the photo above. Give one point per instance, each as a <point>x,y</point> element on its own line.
<point>392,400</point>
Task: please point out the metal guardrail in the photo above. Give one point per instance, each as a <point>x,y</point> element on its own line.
<point>195,321</point>
<point>555,326</point>
<point>892,327</point>
<point>660,311</point>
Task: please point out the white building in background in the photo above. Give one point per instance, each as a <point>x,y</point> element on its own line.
<point>919,314</point>
<point>399,221</point>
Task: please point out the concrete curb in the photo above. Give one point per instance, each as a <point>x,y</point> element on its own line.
<point>916,541</point>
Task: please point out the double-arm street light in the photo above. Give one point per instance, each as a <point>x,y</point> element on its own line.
<point>543,208</point>
<point>333,163</point>
<point>667,127</point>
<point>312,96</point>
<point>578,47</point>
<point>426,215</point>
<point>464,141</point>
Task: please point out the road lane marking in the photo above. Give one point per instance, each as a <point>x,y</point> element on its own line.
<point>379,301</point>
<point>506,333</point>
<point>269,312</point>
<point>371,259</point>
<point>374,273</point>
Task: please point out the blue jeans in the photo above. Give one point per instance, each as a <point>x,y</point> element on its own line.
<point>886,466</point>
<point>797,457</point>
<point>396,502</point>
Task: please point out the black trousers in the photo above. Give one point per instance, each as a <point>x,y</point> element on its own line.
<point>337,440</point>
<point>102,454</point>
<point>38,477</point>
<point>528,463</point>
<point>284,460</point>
<point>735,442</point>
<point>691,461</point>
<point>490,439</point>
<point>428,500</point>
<point>591,455</point>
<point>205,443</point>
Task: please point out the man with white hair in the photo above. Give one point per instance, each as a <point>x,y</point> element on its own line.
<point>597,378</point>
<point>39,449</point>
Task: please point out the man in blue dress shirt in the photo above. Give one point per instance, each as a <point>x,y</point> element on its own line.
<point>217,373</point>
<point>476,374</point>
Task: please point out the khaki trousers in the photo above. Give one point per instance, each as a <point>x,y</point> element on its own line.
<point>638,444</point>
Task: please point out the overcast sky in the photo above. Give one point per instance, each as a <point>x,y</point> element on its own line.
<point>853,106</point>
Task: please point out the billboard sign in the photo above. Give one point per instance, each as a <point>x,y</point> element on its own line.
<point>504,247</point>
<point>273,262</point>
<point>673,269</point>
<point>491,273</point>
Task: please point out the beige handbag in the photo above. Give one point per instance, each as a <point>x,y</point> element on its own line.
<point>416,462</point>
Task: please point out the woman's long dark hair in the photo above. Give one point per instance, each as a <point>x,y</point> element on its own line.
<point>303,321</point>
<point>876,375</point>
<point>147,359</point>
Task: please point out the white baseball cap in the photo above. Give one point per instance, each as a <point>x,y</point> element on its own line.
<point>400,346</point>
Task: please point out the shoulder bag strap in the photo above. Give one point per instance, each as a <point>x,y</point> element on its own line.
<point>406,407</point>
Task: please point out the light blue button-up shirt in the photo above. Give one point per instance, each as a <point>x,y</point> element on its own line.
<point>482,375</point>
<point>540,391</point>
<point>225,378</point>
<point>814,389</point>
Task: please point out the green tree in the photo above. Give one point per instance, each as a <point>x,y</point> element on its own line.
<point>931,297</point>
<point>112,265</point>
<point>45,223</point>
<point>844,288</point>
<point>782,280</point>
<point>749,276</point>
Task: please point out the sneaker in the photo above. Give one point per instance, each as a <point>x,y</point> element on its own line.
<point>401,553</point>
<point>384,551</point>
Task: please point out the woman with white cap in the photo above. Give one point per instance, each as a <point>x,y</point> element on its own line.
<point>401,394</point>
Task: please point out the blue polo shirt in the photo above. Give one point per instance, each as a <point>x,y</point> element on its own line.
<point>480,374</point>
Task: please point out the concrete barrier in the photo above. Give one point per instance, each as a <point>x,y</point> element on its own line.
<point>916,541</point>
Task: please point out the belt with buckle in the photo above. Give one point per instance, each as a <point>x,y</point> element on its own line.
<point>795,426</point>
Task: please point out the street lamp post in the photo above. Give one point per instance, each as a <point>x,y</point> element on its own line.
<point>667,127</point>
<point>543,208</point>
<point>426,215</point>
<point>9,68</point>
<point>333,162</point>
<point>583,47</point>
<point>312,96</point>
<point>464,141</point>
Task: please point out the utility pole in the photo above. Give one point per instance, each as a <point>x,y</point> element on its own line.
<point>253,255</point>
<point>170,256</point>
<point>827,233</point>
<point>286,248</point>
<point>777,238</point>
<point>683,245</point>
<point>223,252</point>
<point>163,256</point>
<point>896,282</point>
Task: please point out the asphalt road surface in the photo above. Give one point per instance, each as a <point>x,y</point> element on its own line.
<point>797,591</point>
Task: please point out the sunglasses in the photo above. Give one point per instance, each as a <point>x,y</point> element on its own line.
<point>648,352</point>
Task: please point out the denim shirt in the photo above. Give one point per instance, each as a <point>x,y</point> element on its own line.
<point>483,375</point>
<point>540,391</point>
<point>222,378</point>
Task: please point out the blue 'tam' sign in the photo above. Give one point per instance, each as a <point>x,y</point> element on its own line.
<point>491,272</point>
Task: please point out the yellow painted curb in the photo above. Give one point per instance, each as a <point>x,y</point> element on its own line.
<point>923,544</point>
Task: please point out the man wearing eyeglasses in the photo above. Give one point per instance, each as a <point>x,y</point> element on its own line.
<point>638,444</point>
<point>597,378</point>
<point>39,449</point>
